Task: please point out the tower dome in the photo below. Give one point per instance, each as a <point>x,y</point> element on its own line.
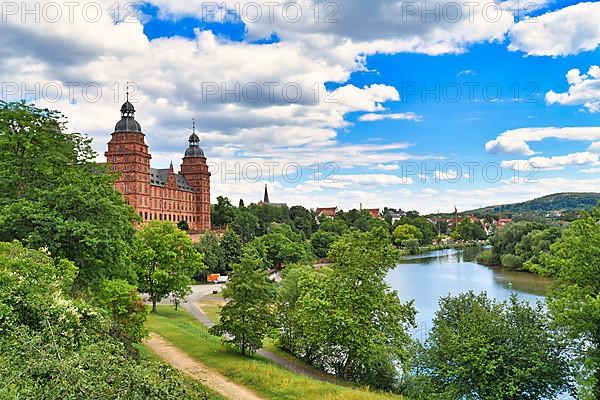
<point>194,149</point>
<point>128,122</point>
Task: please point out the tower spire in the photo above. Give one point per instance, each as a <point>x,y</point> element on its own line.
<point>266,196</point>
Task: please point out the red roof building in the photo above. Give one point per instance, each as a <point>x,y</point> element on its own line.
<point>374,212</point>
<point>329,212</point>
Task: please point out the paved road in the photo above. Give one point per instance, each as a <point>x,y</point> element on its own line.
<point>191,305</point>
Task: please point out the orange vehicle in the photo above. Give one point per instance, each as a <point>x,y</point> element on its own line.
<point>212,278</point>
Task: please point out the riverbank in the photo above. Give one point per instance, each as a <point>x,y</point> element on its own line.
<point>434,247</point>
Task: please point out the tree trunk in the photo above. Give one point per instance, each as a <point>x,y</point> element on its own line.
<point>346,371</point>
<point>153,304</point>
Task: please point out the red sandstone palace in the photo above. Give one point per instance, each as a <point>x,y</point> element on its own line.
<point>159,194</point>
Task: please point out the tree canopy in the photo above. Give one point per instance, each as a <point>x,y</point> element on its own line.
<point>54,196</point>
<point>166,261</point>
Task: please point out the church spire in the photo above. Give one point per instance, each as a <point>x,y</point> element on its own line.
<point>266,196</point>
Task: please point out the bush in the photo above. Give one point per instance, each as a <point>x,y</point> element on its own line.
<point>511,261</point>
<point>412,245</point>
<point>487,257</point>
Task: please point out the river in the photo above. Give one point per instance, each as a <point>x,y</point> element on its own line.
<point>429,276</point>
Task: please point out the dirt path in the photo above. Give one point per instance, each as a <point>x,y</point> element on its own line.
<point>209,377</point>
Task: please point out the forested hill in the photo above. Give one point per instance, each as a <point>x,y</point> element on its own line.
<point>546,204</point>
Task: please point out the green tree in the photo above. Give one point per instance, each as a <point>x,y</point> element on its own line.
<point>302,220</point>
<point>336,225</point>
<point>231,247</point>
<point>222,213</point>
<point>54,196</point>
<point>183,225</point>
<point>248,314</point>
<point>406,232</point>
<point>482,349</point>
<point>468,230</point>
<point>321,241</point>
<point>574,299</point>
<point>367,336</point>
<point>505,240</point>
<point>166,260</point>
<point>214,258</point>
<point>246,225</point>
<point>281,246</point>
<point>426,227</point>
<point>267,214</point>
<point>54,346</point>
<point>127,310</point>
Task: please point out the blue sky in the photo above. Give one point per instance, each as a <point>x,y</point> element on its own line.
<point>515,103</point>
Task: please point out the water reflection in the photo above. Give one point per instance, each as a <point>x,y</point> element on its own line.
<point>427,277</point>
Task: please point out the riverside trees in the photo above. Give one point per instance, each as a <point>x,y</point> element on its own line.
<point>482,349</point>
<point>574,299</point>
<point>346,319</point>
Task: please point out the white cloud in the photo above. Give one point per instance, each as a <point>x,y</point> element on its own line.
<point>430,192</point>
<point>367,180</point>
<point>410,116</point>
<point>466,72</point>
<point>508,145</point>
<point>563,32</point>
<point>392,26</point>
<point>515,141</point>
<point>594,147</point>
<point>584,89</point>
<point>552,163</point>
<point>386,167</point>
<point>591,170</point>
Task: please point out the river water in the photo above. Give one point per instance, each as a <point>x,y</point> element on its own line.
<point>429,276</point>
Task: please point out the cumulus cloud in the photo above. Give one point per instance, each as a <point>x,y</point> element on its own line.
<point>563,32</point>
<point>594,147</point>
<point>584,89</point>
<point>392,26</point>
<point>516,141</point>
<point>508,145</point>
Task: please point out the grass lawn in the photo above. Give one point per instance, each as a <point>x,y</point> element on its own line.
<point>265,378</point>
<point>211,306</point>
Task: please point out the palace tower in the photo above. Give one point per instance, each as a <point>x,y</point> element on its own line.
<point>159,194</point>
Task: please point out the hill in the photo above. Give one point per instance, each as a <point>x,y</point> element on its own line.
<point>547,204</point>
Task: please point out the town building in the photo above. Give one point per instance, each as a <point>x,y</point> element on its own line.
<point>159,194</point>
<point>265,200</point>
<point>329,212</point>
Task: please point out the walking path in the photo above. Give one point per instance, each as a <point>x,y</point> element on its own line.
<point>209,377</point>
<point>199,291</point>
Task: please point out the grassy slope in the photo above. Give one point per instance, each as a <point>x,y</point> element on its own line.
<point>211,307</point>
<point>264,377</point>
